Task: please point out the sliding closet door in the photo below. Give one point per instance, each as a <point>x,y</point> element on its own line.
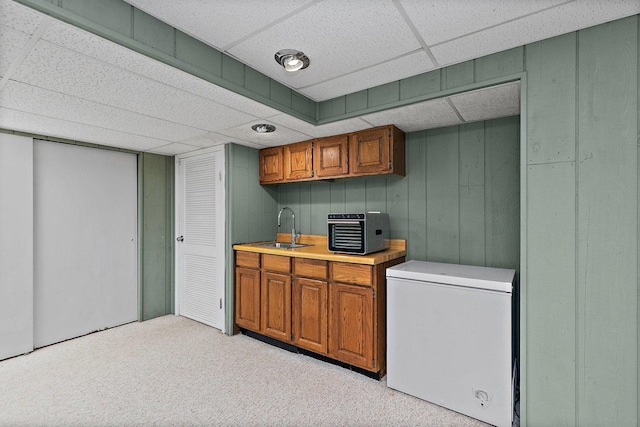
<point>85,234</point>
<point>16,245</point>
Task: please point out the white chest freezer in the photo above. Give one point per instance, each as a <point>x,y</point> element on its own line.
<point>449,337</point>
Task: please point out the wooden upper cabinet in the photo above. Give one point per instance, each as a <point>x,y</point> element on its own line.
<point>369,152</point>
<point>297,161</point>
<point>271,165</point>
<point>377,151</point>
<point>330,156</point>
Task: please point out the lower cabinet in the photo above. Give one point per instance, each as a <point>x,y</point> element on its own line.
<point>335,309</point>
<point>351,325</point>
<point>248,298</point>
<point>276,306</point>
<point>310,314</point>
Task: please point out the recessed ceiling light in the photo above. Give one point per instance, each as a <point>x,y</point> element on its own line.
<point>292,60</point>
<point>263,128</point>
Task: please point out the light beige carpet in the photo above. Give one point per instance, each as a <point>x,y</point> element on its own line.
<point>172,371</point>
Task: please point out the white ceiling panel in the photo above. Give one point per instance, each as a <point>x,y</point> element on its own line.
<point>12,43</point>
<point>173,149</point>
<point>23,97</point>
<point>281,136</point>
<point>208,139</point>
<point>339,36</point>
<point>493,102</point>
<point>103,50</point>
<point>219,22</point>
<point>329,129</point>
<point>64,82</point>
<point>64,71</point>
<point>405,66</point>
<point>439,21</point>
<point>42,125</point>
<point>415,117</point>
<point>19,17</point>
<point>553,22</point>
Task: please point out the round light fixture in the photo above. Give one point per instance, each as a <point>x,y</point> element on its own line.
<point>263,128</point>
<point>292,60</point>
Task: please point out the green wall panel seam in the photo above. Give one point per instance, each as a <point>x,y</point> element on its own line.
<point>522,366</point>
<point>577,230</point>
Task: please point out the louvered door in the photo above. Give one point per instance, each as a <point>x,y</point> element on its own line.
<point>200,238</point>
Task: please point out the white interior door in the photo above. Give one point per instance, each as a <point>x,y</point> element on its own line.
<point>200,233</point>
<point>16,245</point>
<point>85,234</point>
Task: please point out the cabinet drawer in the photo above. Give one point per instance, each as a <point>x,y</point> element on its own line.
<point>358,274</point>
<point>248,259</point>
<point>314,268</point>
<point>281,264</point>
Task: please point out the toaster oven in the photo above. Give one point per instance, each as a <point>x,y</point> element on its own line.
<point>358,233</point>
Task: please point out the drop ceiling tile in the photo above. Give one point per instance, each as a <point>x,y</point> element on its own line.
<point>490,103</point>
<point>208,139</point>
<point>553,22</point>
<point>12,43</point>
<point>23,97</point>
<point>19,17</point>
<point>173,149</point>
<point>219,22</point>
<point>439,21</point>
<point>42,125</point>
<point>281,136</point>
<point>406,66</point>
<point>339,36</point>
<point>80,41</point>
<point>329,129</point>
<point>52,67</point>
<point>424,115</point>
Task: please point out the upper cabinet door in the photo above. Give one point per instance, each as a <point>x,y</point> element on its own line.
<point>271,165</point>
<point>369,151</point>
<point>297,160</point>
<point>330,156</point>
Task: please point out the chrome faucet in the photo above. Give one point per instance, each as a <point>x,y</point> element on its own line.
<point>294,235</point>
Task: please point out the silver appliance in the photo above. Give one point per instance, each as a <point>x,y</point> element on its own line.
<point>358,233</point>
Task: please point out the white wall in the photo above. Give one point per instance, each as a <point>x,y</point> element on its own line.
<point>16,245</point>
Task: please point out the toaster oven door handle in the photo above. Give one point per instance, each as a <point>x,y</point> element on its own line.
<point>344,222</point>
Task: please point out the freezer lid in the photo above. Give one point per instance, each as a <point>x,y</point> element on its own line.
<point>494,279</point>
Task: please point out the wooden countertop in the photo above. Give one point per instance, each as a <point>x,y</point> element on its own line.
<point>397,248</point>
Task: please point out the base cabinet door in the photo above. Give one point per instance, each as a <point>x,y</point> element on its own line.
<point>351,324</point>
<point>276,306</point>
<point>248,298</point>
<point>310,314</point>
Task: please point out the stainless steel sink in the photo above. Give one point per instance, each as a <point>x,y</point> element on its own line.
<point>281,245</point>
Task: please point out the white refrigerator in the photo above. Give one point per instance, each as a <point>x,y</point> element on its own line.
<point>449,337</point>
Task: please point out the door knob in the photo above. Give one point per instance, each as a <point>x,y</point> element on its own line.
<point>180,238</point>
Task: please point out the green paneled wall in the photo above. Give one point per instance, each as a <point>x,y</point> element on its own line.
<point>251,210</point>
<point>156,211</point>
<point>580,356</point>
<point>459,203</point>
